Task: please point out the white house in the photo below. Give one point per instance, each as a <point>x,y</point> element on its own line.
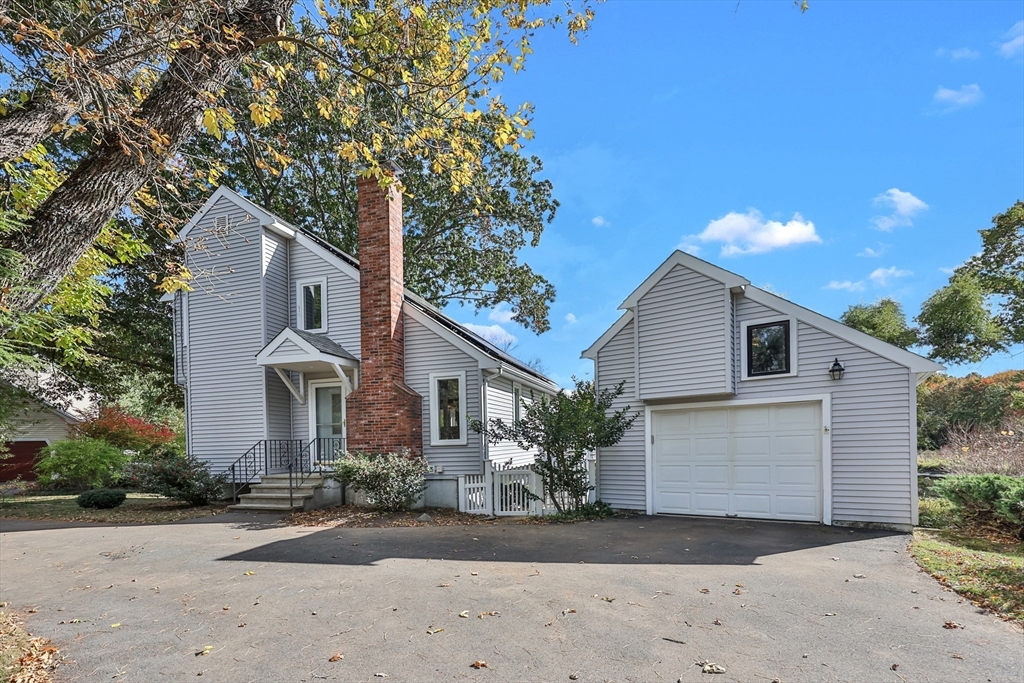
<point>290,351</point>
<point>743,409</point>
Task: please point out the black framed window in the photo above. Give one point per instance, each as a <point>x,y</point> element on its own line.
<point>768,349</point>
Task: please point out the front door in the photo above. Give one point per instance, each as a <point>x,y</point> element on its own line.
<point>327,422</point>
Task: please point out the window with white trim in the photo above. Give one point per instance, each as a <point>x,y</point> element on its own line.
<point>448,409</point>
<point>311,308</point>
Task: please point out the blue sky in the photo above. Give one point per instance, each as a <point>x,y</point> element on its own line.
<point>834,157</point>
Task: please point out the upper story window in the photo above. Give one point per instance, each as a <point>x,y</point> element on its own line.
<point>448,409</point>
<point>768,348</point>
<point>312,305</point>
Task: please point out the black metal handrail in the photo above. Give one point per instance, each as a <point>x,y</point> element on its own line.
<point>299,458</point>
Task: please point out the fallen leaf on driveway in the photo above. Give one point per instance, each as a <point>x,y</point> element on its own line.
<point>249,573</point>
<point>488,614</point>
<point>739,585</point>
<point>830,614</point>
<point>737,592</point>
<point>118,625</point>
<point>710,668</point>
<point>835,559</point>
<point>894,667</point>
<point>956,656</point>
<point>380,675</point>
<point>705,590</point>
<point>444,585</point>
<point>479,664</point>
<point>336,658</point>
<point>464,614</point>
<point>607,599</point>
<point>474,573</point>
<point>952,625</point>
<point>431,632</point>
<point>205,651</point>
<point>242,625</point>
<point>859,576</point>
<point>568,611</point>
<point>717,622</point>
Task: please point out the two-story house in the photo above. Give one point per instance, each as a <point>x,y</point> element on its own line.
<point>752,406</point>
<point>291,351</point>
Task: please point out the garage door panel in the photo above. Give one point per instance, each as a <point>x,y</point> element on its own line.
<point>797,507</point>
<point>752,461</point>
<point>712,447</point>
<point>711,420</point>
<point>753,475</point>
<point>796,475</point>
<point>711,475</point>
<point>752,505</point>
<point>706,503</point>
<point>753,446</point>
<point>796,445</point>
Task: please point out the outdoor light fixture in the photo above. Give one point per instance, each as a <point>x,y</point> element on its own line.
<point>837,369</point>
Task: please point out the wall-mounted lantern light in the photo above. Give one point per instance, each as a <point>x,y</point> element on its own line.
<point>837,369</point>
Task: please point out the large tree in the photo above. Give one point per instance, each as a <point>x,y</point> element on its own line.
<point>883,319</point>
<point>144,78</point>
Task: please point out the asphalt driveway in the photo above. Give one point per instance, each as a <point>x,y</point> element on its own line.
<point>637,599</point>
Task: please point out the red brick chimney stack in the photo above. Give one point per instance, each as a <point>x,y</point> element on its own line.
<point>383,414</point>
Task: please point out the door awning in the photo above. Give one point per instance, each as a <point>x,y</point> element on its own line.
<point>298,351</point>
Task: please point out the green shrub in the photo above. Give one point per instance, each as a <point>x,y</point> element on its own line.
<point>587,511</point>
<point>102,499</point>
<point>390,481</point>
<point>169,472</point>
<point>972,402</point>
<point>77,464</point>
<point>992,498</point>
<point>937,513</point>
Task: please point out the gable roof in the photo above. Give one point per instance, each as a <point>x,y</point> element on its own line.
<point>681,258</point>
<point>623,320</point>
<point>348,263</point>
<point>909,359</point>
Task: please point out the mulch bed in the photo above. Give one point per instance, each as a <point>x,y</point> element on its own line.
<point>353,516</point>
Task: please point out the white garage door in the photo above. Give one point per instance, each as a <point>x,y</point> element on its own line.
<point>754,461</point>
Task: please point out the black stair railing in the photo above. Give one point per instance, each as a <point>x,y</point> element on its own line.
<point>268,456</point>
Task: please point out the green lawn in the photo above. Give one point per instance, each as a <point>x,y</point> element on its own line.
<point>989,573</point>
<point>138,508</point>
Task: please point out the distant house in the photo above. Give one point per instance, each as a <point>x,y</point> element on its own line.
<point>290,350</point>
<point>743,409</point>
<point>36,424</point>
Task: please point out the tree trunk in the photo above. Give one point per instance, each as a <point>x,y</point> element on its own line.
<point>71,218</point>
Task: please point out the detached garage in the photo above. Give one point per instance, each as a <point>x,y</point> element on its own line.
<point>751,406</point>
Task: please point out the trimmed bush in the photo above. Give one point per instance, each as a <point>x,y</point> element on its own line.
<point>170,473</point>
<point>390,481</point>
<point>77,464</point>
<point>102,499</point>
<point>991,498</point>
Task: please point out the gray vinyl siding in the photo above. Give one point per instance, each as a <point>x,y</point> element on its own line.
<point>872,419</point>
<point>36,422</point>
<point>622,480</point>
<point>342,295</point>
<point>275,303</point>
<point>500,405</point>
<point>426,353</point>
<point>683,323</point>
<point>225,386</point>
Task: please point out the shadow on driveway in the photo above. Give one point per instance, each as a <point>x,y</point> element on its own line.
<point>637,540</point>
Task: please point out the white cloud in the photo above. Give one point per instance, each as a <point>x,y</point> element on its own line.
<point>501,315</point>
<point>964,96</point>
<point>846,285</point>
<point>750,233</point>
<point>1014,41</point>
<point>957,54</point>
<point>882,276</point>
<point>947,271</point>
<point>570,318</point>
<point>600,221</point>
<point>871,253</point>
<point>904,207</point>
<point>496,334</point>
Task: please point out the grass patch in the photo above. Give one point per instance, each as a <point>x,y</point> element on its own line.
<point>22,657</point>
<point>138,508</point>
<point>989,573</point>
<point>927,462</point>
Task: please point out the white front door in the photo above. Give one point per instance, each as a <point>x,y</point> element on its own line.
<point>327,420</point>
<point>761,461</point>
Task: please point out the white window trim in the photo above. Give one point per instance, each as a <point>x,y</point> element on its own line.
<point>794,365</point>
<point>300,313</point>
<point>435,439</point>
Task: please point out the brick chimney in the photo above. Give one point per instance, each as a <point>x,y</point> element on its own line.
<point>383,414</point>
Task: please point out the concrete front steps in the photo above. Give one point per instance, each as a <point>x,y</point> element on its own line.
<point>271,494</point>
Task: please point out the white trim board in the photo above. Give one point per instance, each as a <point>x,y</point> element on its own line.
<point>793,342</point>
<point>826,440</point>
<point>435,439</point>
<point>300,304</point>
